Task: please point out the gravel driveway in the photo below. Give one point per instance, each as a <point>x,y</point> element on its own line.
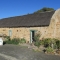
<point>15,52</point>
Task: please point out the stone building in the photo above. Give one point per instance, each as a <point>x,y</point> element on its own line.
<point>45,23</point>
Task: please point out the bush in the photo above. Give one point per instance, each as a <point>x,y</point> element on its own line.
<point>8,42</point>
<point>54,43</point>
<point>58,44</point>
<point>7,38</point>
<point>47,42</point>
<point>13,41</point>
<point>55,46</point>
<point>49,50</point>
<point>41,42</point>
<point>22,40</point>
<point>37,37</point>
<point>37,43</point>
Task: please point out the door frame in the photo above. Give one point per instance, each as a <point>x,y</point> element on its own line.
<point>31,35</point>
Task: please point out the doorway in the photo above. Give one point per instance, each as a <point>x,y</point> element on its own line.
<point>32,35</point>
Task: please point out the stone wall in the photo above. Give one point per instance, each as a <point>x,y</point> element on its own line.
<point>54,27</point>
<point>24,32</point>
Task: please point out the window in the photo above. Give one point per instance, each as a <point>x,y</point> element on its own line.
<point>10,32</point>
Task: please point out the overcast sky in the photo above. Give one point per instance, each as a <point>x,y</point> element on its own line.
<point>10,8</point>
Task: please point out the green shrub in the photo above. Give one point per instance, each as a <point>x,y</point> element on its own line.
<point>22,40</point>
<point>47,42</point>
<point>37,37</point>
<point>41,42</point>
<point>49,50</point>
<point>8,42</point>
<point>37,43</point>
<point>54,43</point>
<point>13,41</point>
<point>58,44</point>
<point>55,46</point>
<point>7,38</point>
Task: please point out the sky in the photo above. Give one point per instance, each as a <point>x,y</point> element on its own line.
<point>10,8</point>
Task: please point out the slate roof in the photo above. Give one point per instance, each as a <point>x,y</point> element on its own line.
<point>30,20</point>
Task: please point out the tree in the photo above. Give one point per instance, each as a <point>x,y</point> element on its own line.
<point>44,10</point>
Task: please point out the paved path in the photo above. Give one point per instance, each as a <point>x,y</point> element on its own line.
<point>14,52</point>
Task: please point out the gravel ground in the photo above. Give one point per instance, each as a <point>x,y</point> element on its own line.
<point>16,52</point>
